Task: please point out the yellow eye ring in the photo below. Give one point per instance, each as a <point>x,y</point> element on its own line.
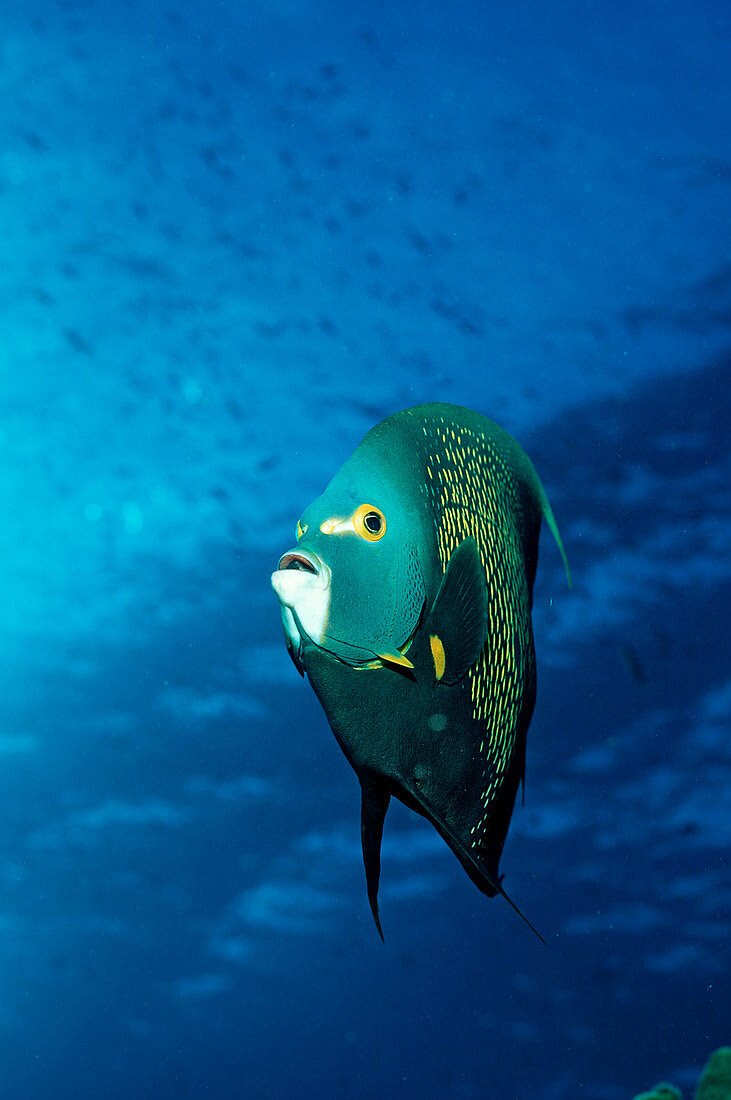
<point>300,530</point>
<point>369,522</point>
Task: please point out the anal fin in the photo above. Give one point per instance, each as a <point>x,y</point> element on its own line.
<point>374,804</point>
<point>466,857</point>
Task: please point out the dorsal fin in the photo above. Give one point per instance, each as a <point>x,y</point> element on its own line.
<point>458,619</point>
<point>553,528</point>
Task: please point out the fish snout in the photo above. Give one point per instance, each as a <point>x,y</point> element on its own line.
<point>299,571</point>
<point>302,583</point>
<point>298,559</point>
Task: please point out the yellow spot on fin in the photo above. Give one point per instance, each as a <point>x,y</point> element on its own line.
<point>437,652</point>
<point>395,657</point>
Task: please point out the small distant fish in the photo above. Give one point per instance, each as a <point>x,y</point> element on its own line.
<point>634,664</point>
<point>77,341</point>
<point>407,601</point>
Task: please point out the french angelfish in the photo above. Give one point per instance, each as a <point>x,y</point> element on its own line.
<point>407,601</point>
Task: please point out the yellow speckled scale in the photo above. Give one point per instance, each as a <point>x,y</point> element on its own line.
<point>475,494</point>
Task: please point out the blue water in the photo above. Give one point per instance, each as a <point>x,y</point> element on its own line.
<point>235,236</point>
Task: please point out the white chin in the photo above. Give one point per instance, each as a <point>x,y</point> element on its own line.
<point>305,594</point>
<point>290,628</point>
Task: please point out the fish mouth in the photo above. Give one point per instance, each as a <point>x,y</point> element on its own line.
<point>299,571</point>
<point>296,559</point>
<point>302,582</point>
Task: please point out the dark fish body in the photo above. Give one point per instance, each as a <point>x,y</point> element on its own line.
<point>429,679</point>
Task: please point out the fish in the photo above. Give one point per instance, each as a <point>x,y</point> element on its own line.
<point>406,602</point>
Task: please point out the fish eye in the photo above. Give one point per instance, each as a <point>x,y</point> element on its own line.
<point>369,522</point>
<point>301,529</point>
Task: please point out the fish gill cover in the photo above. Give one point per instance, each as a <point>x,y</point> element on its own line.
<point>235,238</point>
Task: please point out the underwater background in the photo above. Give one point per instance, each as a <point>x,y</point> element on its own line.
<point>234,237</point>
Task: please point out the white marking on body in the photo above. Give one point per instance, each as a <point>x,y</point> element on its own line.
<point>338,526</point>
<point>290,627</point>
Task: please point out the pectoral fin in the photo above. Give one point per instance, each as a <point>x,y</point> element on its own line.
<point>458,621</point>
<point>295,658</point>
<point>395,657</point>
<point>374,804</point>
